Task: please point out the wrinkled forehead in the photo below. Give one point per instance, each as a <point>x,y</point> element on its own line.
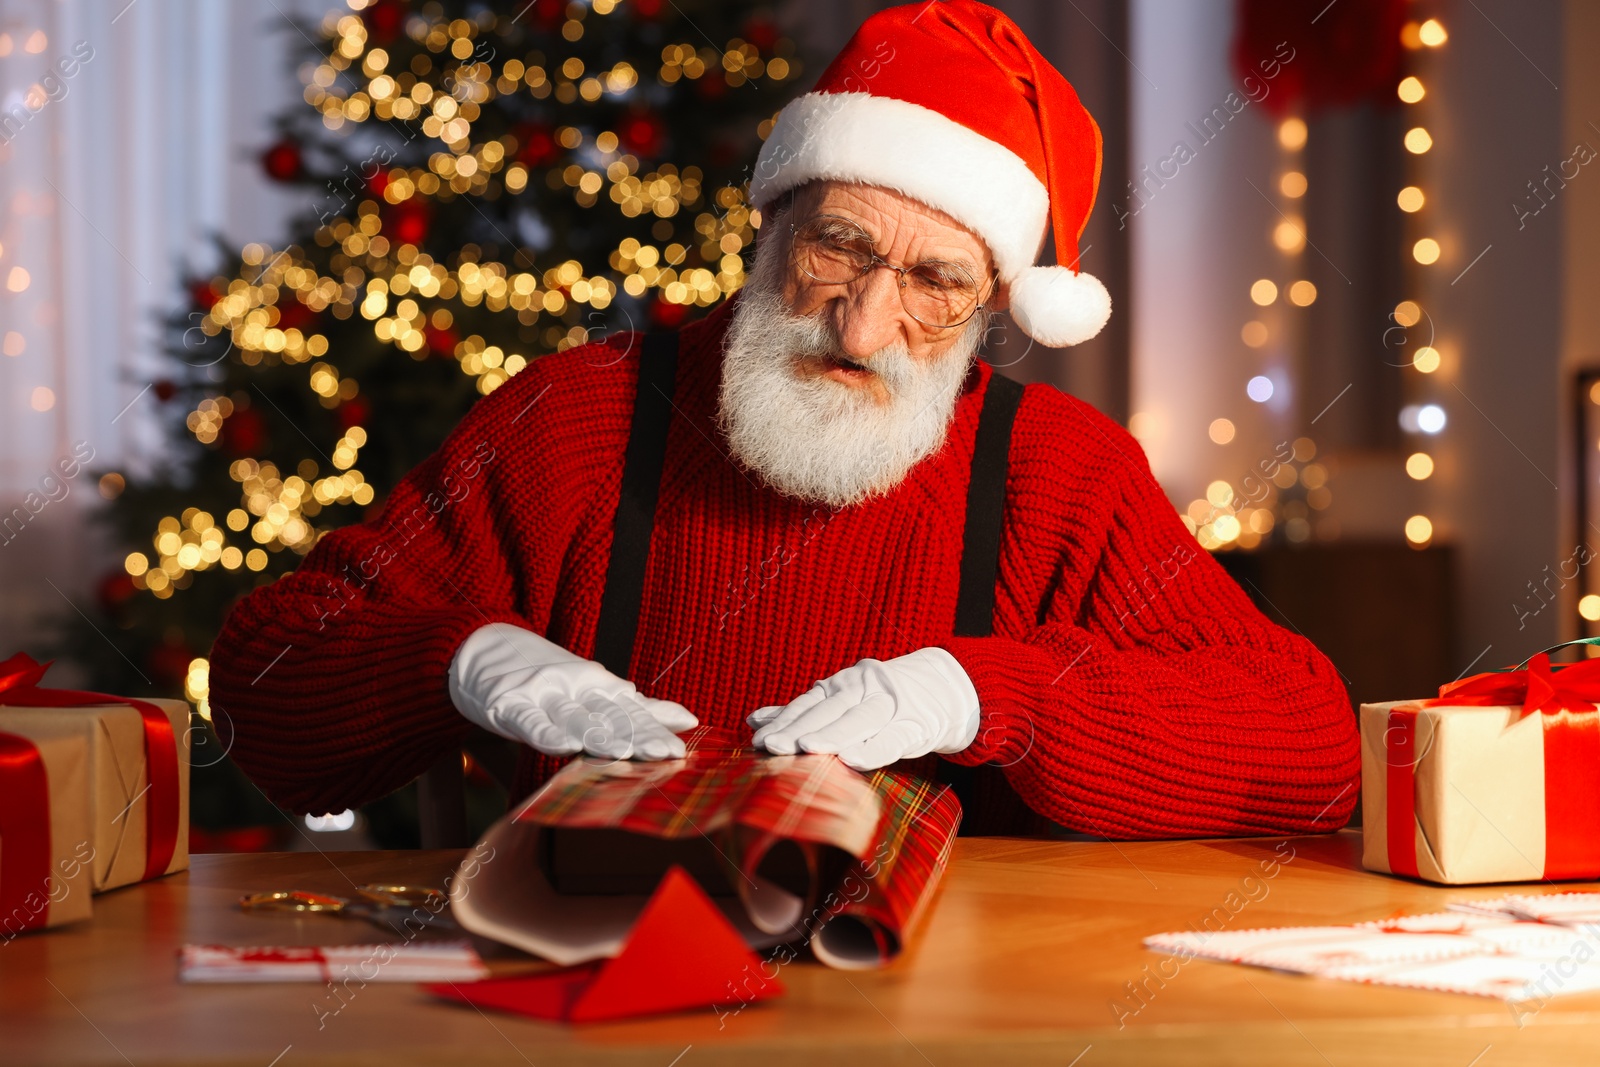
<point>905,230</point>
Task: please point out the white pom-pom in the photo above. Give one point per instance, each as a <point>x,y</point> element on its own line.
<point>1058,308</point>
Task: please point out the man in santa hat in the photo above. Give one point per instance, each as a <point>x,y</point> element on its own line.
<point>816,519</point>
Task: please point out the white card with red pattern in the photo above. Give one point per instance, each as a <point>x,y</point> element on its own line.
<point>1517,947</point>
<point>437,961</point>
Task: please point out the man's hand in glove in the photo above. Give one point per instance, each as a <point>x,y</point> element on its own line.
<point>517,684</point>
<point>877,712</point>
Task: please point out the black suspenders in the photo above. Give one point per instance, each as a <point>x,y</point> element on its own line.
<point>986,502</point>
<point>623,597</point>
<point>980,563</point>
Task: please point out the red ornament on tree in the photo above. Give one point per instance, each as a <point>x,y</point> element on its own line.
<point>550,12</point>
<point>647,9</point>
<point>165,390</point>
<point>665,315</point>
<point>536,146</point>
<point>641,134</point>
<point>203,295</point>
<point>245,432</point>
<point>115,590</point>
<point>762,33</point>
<point>293,315</point>
<point>357,411</point>
<point>408,221</point>
<point>283,162</point>
<point>384,20</point>
<point>442,342</point>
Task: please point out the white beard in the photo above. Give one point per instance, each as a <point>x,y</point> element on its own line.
<point>817,438</point>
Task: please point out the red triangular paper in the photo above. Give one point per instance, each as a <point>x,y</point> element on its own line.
<point>681,953</point>
<point>547,995</point>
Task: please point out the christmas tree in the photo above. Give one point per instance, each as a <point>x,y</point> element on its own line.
<point>487,183</point>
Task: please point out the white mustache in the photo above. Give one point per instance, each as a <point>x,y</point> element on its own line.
<point>814,337</point>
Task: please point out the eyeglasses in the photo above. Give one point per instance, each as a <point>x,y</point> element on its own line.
<point>834,250</point>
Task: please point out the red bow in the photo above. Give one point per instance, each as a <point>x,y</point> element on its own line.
<point>1537,687</point>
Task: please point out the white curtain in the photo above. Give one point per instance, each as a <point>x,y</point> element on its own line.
<point>130,134</point>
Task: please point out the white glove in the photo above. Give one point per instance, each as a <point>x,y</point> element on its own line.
<point>514,683</point>
<point>877,711</point>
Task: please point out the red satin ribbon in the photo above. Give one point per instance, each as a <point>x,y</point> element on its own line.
<point>1566,698</point>
<point>25,834</point>
<point>19,686</point>
<point>1399,749</point>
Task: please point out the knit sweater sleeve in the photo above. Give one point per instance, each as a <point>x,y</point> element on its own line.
<point>1141,693</point>
<point>332,680</point>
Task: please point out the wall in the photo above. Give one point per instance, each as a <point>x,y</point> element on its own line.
<point>1580,257</point>
<point>1501,85</point>
<point>1200,238</point>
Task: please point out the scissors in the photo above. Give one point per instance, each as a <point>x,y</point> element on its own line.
<point>389,906</point>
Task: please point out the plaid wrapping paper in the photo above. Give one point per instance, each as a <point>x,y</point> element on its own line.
<point>898,828</point>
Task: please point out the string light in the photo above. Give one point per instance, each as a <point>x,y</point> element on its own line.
<point>1589,607</point>
<point>1426,418</point>
<point>197,686</point>
<point>1289,235</point>
<point>1215,520</point>
<point>1418,140</point>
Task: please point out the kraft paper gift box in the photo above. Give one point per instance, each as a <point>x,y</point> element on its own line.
<point>1495,780</point>
<point>45,834</point>
<point>135,765</point>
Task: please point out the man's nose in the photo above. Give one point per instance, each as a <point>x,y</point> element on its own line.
<point>869,315</point>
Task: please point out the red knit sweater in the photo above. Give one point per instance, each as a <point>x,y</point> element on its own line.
<point>1131,689</point>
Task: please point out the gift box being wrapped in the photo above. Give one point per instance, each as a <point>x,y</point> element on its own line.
<point>792,849</point>
<point>129,820</point>
<point>1495,780</point>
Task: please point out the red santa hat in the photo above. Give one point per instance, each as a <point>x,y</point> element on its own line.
<point>948,103</point>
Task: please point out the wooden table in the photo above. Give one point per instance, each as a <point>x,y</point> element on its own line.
<point>1029,949</point>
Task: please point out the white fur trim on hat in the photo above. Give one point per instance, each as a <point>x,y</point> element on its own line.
<point>916,151</point>
<point>1058,308</point>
